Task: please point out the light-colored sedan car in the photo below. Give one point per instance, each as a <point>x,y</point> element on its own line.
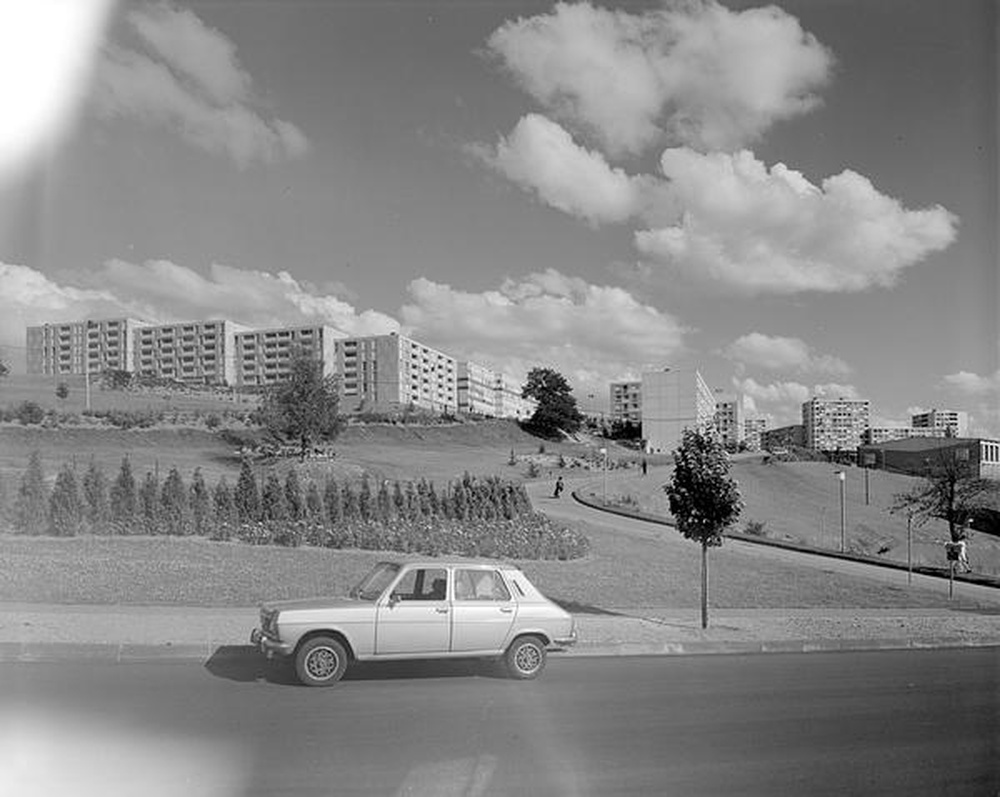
<point>419,610</point>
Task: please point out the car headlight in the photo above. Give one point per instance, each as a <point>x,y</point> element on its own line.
<point>269,622</point>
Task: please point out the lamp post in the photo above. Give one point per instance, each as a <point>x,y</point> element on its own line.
<point>604,468</point>
<point>842,477</point>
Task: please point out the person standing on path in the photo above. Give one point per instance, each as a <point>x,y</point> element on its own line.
<point>559,488</point>
<point>645,465</point>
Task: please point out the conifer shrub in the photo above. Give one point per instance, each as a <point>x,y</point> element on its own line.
<point>65,505</point>
<point>31,507</point>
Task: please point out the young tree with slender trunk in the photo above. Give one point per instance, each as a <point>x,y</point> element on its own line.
<point>704,500</point>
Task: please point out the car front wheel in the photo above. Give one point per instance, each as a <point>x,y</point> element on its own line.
<point>320,661</point>
<point>525,658</point>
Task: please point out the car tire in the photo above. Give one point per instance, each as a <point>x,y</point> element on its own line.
<point>320,661</point>
<point>525,658</point>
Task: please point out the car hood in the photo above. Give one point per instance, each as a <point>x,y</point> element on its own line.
<point>313,604</point>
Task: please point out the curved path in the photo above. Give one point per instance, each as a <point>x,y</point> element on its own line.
<point>566,508</point>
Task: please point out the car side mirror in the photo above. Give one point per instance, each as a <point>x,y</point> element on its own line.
<point>393,599</point>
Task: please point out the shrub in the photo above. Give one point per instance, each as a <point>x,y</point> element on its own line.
<point>124,501</point>
<point>31,507</point>
<point>97,509</point>
<point>755,528</point>
<point>65,507</point>
<point>28,413</point>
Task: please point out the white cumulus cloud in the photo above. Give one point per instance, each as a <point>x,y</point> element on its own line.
<point>778,353</point>
<point>747,227</point>
<point>591,333</point>
<point>184,75</point>
<point>972,384</point>
<point>693,73</point>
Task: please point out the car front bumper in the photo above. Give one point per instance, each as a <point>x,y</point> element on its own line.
<point>268,645</point>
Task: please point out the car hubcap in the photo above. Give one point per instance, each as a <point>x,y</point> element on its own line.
<point>527,658</point>
<point>322,663</point>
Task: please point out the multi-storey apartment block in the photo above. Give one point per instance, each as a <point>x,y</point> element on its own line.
<point>954,420</point>
<point>793,436</point>
<point>835,424</point>
<point>195,352</point>
<point>729,420</point>
<point>509,401</point>
<point>389,372</point>
<point>80,347</point>
<point>672,401</point>
<point>626,402</point>
<point>476,389</point>
<point>264,356</point>
<point>753,431</point>
<point>883,434</point>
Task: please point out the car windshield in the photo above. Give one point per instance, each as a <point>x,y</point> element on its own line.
<point>374,584</point>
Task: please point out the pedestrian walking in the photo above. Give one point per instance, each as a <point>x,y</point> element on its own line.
<point>559,488</point>
<point>963,546</point>
<point>645,465</point>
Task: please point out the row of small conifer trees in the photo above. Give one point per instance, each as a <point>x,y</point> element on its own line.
<point>469,515</point>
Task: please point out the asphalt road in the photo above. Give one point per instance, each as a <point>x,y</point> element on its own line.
<point>885,723</point>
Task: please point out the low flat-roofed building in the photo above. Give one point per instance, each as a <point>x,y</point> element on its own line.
<point>916,455</point>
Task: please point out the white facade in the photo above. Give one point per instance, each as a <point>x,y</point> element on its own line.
<point>509,401</point>
<point>955,420</point>
<point>54,349</point>
<point>883,434</point>
<point>753,432</point>
<point>672,401</point>
<point>626,402</point>
<point>195,352</point>
<point>729,420</point>
<point>835,424</point>
<point>264,356</point>
<point>476,389</point>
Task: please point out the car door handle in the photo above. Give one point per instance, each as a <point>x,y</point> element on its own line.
<point>506,609</point>
<point>442,610</point>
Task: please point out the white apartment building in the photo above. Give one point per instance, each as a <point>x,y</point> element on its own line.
<point>955,420</point>
<point>195,352</point>
<point>835,424</point>
<point>80,347</point>
<point>264,356</point>
<point>381,373</point>
<point>672,401</point>
<point>476,389</point>
<point>753,433</point>
<point>729,420</point>
<point>626,402</point>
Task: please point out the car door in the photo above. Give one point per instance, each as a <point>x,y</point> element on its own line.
<point>483,610</point>
<point>415,616</point>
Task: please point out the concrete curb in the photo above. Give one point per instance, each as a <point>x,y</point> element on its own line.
<point>34,652</point>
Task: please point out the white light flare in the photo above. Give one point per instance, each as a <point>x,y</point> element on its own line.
<point>47,51</point>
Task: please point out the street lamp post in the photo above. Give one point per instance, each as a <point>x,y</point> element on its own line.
<point>604,468</point>
<point>842,477</point>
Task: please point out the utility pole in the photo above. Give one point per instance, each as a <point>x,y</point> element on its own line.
<point>843,511</point>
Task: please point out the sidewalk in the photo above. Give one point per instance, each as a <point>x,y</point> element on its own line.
<point>36,632</point>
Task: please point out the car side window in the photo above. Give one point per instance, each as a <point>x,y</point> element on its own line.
<point>422,584</point>
<point>480,585</point>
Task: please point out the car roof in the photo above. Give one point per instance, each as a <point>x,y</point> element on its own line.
<point>451,563</point>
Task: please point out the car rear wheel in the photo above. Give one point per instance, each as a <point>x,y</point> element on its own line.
<point>320,661</point>
<point>525,658</point>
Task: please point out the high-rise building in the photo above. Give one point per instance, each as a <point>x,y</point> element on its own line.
<point>729,420</point>
<point>674,400</point>
<point>753,431</point>
<point>626,402</point>
<point>835,424</point>
<point>264,356</point>
<point>509,401</point>
<point>81,347</point>
<point>195,352</point>
<point>956,421</point>
<point>383,373</point>
<point>476,389</point>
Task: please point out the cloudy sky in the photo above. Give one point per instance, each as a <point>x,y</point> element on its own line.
<point>796,199</point>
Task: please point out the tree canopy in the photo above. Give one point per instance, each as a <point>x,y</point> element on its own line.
<point>304,407</point>
<point>556,408</point>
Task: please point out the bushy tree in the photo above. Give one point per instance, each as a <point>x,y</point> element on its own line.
<point>314,503</point>
<point>273,506</point>
<point>332,498</point>
<point>97,508</point>
<point>124,501</point>
<point>294,499</point>
<point>366,504</point>
<point>149,494</point>
<point>349,502</point>
<point>174,504</point>
<point>304,407</point>
<point>556,410</point>
<point>704,500</point>
<point>383,501</point>
<point>951,490</point>
<point>31,508</point>
<point>224,510</point>
<point>65,506</point>
<point>200,503</point>
<point>247,497</point>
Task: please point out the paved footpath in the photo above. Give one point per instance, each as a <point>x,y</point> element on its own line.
<point>37,632</point>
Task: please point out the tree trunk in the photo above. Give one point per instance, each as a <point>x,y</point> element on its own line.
<point>704,585</point>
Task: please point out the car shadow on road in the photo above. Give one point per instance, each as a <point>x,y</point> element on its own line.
<point>573,607</point>
<point>244,663</point>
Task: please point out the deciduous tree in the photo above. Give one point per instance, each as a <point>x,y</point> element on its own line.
<point>556,410</point>
<point>704,500</point>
